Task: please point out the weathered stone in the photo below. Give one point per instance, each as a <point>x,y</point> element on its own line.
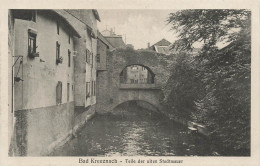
<point>111,93</point>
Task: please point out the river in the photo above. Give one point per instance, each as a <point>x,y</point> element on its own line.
<point>134,131</point>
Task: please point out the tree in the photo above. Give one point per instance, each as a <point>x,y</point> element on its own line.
<point>224,73</point>
<point>183,85</point>
<point>208,26</point>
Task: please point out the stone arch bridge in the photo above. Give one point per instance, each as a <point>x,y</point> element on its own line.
<point>111,92</point>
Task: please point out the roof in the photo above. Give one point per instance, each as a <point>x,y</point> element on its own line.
<point>167,50</point>
<point>106,32</point>
<point>95,12</point>
<point>67,23</point>
<point>163,49</point>
<point>162,42</point>
<point>116,41</point>
<point>104,40</point>
<point>77,15</point>
<point>19,13</point>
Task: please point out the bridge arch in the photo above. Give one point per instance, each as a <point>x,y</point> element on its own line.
<point>137,64</point>
<point>142,103</point>
<point>111,90</point>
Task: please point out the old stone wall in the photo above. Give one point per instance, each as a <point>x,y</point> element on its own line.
<point>39,130</point>
<point>110,95</point>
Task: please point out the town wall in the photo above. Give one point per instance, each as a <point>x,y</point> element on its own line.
<point>110,93</point>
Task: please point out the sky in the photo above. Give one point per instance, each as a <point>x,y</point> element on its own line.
<point>139,26</point>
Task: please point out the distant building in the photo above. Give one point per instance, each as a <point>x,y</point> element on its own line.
<point>102,47</point>
<point>115,40</point>
<point>136,74</point>
<point>161,46</point>
<point>165,47</point>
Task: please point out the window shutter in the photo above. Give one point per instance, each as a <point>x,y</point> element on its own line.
<point>59,93</point>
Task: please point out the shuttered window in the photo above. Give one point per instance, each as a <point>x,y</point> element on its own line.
<point>88,54</point>
<point>98,58</point>
<point>69,58</point>
<point>59,93</point>
<point>68,91</point>
<point>87,89</point>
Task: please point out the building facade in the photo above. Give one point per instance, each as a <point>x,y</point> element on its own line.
<point>54,71</point>
<point>85,70</point>
<point>136,74</point>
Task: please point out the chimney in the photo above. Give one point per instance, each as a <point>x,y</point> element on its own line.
<point>148,45</point>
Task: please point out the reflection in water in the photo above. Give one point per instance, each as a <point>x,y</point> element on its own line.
<point>132,132</point>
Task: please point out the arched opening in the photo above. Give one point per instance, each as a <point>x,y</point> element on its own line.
<point>131,105</point>
<point>137,74</point>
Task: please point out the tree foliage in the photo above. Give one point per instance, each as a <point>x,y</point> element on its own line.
<point>183,85</point>
<point>224,74</point>
<point>208,26</point>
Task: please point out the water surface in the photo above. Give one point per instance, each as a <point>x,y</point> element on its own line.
<point>134,131</point>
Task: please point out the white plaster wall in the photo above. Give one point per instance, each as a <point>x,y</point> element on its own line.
<point>40,78</point>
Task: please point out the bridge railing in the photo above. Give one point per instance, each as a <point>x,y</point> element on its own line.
<point>138,86</point>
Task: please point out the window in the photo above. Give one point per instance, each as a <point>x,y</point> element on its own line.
<point>33,16</point>
<point>98,58</point>
<point>94,88</point>
<point>72,87</point>
<point>69,38</point>
<point>91,60</point>
<point>59,93</point>
<point>88,56</point>
<point>87,89</point>
<point>134,67</point>
<point>58,52</point>
<point>68,91</point>
<point>69,58</point>
<point>58,28</point>
<point>31,43</point>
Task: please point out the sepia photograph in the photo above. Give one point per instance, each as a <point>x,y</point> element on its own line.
<point>129,82</point>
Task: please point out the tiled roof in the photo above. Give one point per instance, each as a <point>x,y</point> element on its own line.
<point>116,41</point>
<point>63,17</point>
<point>104,40</point>
<point>162,42</point>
